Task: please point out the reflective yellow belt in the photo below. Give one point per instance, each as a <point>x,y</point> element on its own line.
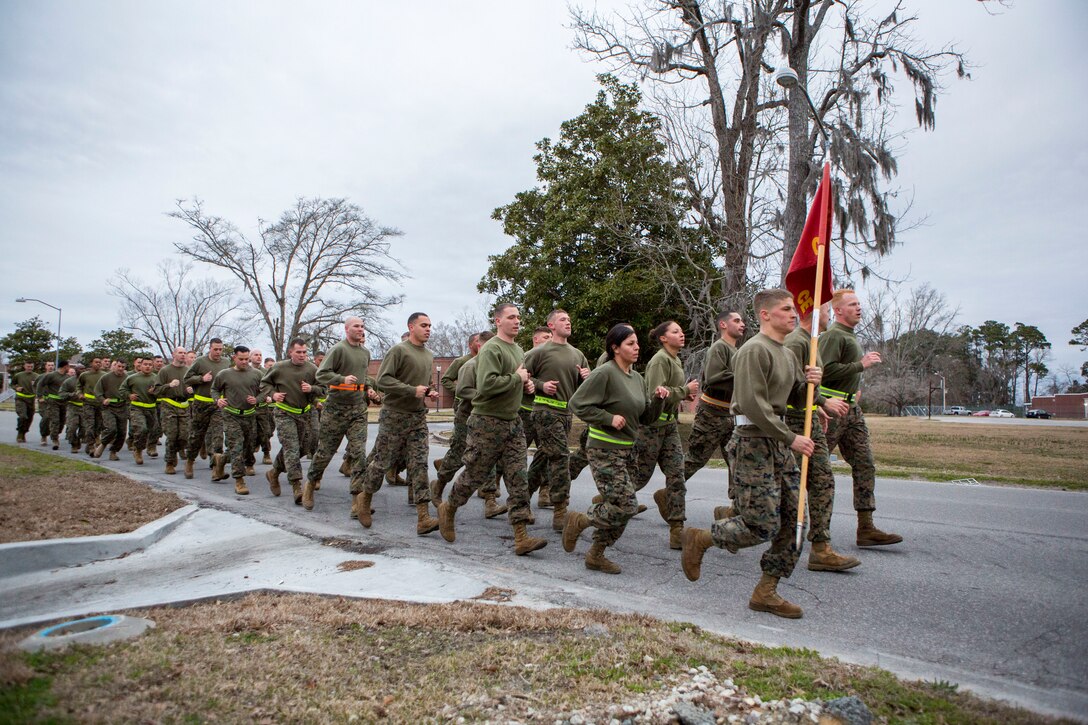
<point>297,411</point>
<point>25,395</point>
<point>77,403</point>
<point>202,399</point>
<point>841,395</point>
<point>236,411</point>
<point>526,407</point>
<point>50,396</point>
<point>600,435</point>
<point>666,417</point>
<point>138,404</point>
<point>89,396</point>
<point>550,402</point>
<point>170,401</point>
<point>801,408</point>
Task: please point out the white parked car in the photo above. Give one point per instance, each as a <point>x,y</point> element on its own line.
<point>1001,413</point>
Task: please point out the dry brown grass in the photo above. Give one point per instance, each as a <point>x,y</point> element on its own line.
<point>45,496</point>
<point>290,658</point>
<point>1027,454</point>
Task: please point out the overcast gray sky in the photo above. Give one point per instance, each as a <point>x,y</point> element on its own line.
<point>425,114</point>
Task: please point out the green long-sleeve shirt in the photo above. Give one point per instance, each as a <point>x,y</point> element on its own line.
<point>608,391</point>
<point>87,380</point>
<point>717,378</point>
<point>69,390</point>
<point>768,378</point>
<point>797,342</point>
<point>138,384</point>
<point>841,354</point>
<point>236,386</point>
<point>498,386</point>
<point>162,388</point>
<point>665,370</point>
<point>48,385</point>
<point>405,367</point>
<point>449,378</point>
<point>108,389</point>
<point>23,383</point>
<point>345,359</point>
<point>559,362</point>
<point>194,377</point>
<point>287,378</point>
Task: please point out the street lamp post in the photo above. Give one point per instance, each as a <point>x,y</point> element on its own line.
<point>56,358</point>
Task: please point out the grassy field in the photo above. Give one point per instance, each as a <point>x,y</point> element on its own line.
<point>288,658</point>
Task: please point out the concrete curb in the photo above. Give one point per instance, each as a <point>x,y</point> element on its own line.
<point>24,557</point>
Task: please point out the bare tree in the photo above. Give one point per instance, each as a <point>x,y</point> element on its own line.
<point>450,339</point>
<point>320,262</point>
<point>746,148</point>
<point>176,310</point>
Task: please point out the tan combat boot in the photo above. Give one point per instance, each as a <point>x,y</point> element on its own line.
<point>597,561</point>
<point>447,512</point>
<point>544,497</point>
<point>308,495</point>
<point>250,471</point>
<point>676,528</point>
<point>99,450</point>
<point>823,558</point>
<point>203,451</point>
<point>523,543</point>
<point>219,463</point>
<point>425,524</point>
<point>153,450</point>
<point>694,543</point>
<point>765,598</point>
<point>661,498</point>
<point>493,508</point>
<point>113,456</point>
<point>438,464</point>
<point>317,485</point>
<point>724,512</point>
<point>45,440</point>
<point>138,456</point>
<point>21,438</point>
<point>171,469</point>
<point>438,486</point>
<point>363,510</point>
<point>267,459</point>
<point>76,448</point>
<point>576,523</point>
<point>559,517</point>
<point>870,535</point>
<point>273,481</point>
<point>296,491</point>
<point>345,468</point>
<point>393,479</point>
<point>188,468</point>
<point>240,487</point>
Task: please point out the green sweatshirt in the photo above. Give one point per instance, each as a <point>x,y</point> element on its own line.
<point>48,385</point>
<point>841,353</point>
<point>768,378</point>
<point>108,388</point>
<point>69,390</point>
<point>558,362</point>
<point>499,388</point>
<point>466,383</point>
<point>164,377</point>
<point>287,378</point>
<point>24,383</point>
<point>345,359</point>
<point>797,342</point>
<point>194,377</point>
<point>665,370</point>
<point>609,391</point>
<point>138,384</point>
<point>404,367</point>
<point>236,385</point>
<point>87,380</point>
<point>449,379</point>
<point>717,377</point>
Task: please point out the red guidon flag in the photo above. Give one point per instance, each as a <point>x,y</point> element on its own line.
<point>801,277</point>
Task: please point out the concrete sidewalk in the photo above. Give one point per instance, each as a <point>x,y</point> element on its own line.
<point>211,553</point>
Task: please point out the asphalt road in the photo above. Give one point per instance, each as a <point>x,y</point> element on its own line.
<point>986,591</point>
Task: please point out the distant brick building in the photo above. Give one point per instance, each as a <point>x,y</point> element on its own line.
<point>1063,405</point>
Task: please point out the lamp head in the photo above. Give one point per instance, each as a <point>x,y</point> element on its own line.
<point>785,76</point>
<point>20,299</point>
